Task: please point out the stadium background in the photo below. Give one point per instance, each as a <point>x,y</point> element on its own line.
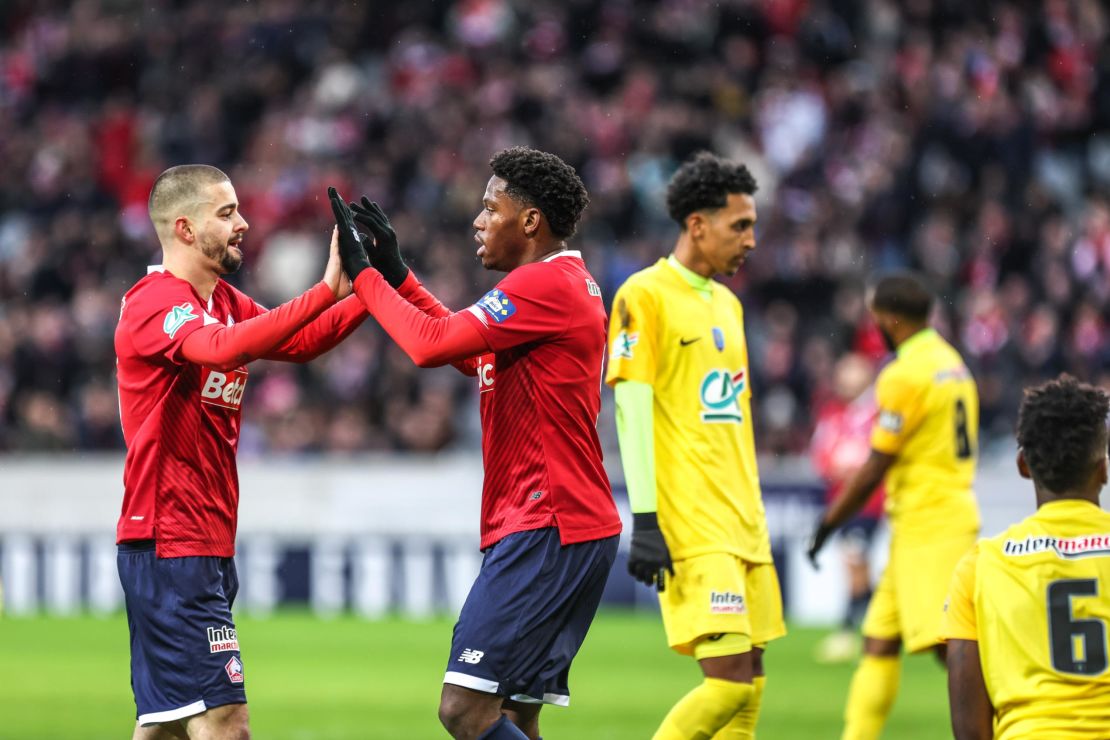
<point>969,141</point>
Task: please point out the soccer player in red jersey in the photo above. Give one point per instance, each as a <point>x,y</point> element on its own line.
<point>183,341</point>
<point>536,343</point>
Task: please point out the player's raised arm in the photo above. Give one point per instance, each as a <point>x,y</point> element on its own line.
<point>429,341</point>
<point>227,347</point>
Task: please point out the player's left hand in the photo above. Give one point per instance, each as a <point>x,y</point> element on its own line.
<point>817,541</point>
<point>334,276</point>
<point>351,251</point>
<point>649,558</point>
<point>386,255</point>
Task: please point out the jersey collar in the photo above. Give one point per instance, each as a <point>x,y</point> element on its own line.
<point>565,253</point>
<point>919,338</point>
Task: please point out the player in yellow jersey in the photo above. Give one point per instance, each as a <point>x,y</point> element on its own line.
<point>924,444</point>
<point>1027,616</point>
<point>679,366</point>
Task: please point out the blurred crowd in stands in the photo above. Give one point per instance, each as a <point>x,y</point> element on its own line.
<point>969,141</point>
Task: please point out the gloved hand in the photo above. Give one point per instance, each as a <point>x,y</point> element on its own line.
<point>351,251</point>
<point>386,256</point>
<point>649,557</point>
<point>817,540</point>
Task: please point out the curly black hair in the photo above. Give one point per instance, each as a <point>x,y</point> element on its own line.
<point>543,180</point>
<point>704,182</point>
<point>1062,432</point>
<point>903,294</point>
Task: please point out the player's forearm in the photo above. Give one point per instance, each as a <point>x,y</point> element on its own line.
<point>413,291</point>
<point>325,332</point>
<point>858,489</point>
<point>227,347</point>
<point>636,434</point>
<point>429,341</point>
<point>972,712</point>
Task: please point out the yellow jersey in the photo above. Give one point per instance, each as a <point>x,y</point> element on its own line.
<point>1037,600</point>
<point>693,352</point>
<point>929,420</point>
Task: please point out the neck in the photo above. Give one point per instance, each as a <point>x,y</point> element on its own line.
<point>179,263</point>
<point>1047,497</point>
<point>540,252</point>
<point>689,257</point>
<point>906,331</point>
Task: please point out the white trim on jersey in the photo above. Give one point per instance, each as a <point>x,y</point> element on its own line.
<point>559,700</point>
<point>473,308</point>
<point>471,682</point>
<point>564,253</point>
<point>155,718</point>
<point>155,268</point>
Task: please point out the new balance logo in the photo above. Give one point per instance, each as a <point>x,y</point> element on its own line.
<point>473,657</point>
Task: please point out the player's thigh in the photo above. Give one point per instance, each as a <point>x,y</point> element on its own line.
<point>924,575</point>
<point>764,596</point>
<point>881,622</point>
<point>168,731</point>
<point>227,722</point>
<point>526,716</point>
<point>706,597</point>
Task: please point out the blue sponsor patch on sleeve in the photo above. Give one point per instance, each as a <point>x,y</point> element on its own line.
<point>497,305</point>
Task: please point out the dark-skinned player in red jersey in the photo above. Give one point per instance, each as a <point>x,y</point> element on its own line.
<point>182,344</point>
<point>536,343</point>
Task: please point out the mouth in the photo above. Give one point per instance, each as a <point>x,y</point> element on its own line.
<point>481,245</point>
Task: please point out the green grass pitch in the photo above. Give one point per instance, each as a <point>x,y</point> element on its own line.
<point>344,678</point>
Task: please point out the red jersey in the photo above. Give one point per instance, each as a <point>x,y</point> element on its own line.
<point>540,391</point>
<point>842,443</point>
<point>181,420</point>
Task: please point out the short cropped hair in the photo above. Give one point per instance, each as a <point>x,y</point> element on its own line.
<point>1062,432</point>
<point>543,180</point>
<point>704,183</point>
<point>904,295</point>
<point>176,188</point>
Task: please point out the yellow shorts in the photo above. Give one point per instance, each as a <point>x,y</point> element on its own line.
<point>909,601</point>
<point>718,594</point>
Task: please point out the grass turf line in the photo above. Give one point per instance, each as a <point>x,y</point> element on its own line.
<point>344,678</point>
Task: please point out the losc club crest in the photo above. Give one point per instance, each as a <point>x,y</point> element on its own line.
<point>719,393</point>
<point>234,669</point>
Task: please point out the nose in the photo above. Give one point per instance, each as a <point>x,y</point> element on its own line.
<point>478,221</point>
<point>242,226</point>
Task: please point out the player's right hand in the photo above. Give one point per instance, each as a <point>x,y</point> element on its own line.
<point>351,251</point>
<point>817,541</point>
<point>649,557</point>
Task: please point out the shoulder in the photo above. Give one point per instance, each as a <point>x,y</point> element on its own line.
<point>160,291</point>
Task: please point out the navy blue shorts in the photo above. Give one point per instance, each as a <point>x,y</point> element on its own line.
<point>184,650</point>
<point>527,614</point>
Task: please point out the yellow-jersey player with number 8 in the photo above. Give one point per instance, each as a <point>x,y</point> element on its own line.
<point>1028,612</point>
<point>678,362</point>
<point>924,443</point>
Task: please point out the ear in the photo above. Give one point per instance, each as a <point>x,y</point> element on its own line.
<point>183,230</point>
<point>1103,471</point>
<point>531,218</point>
<point>696,224</point>
<point>1023,467</point>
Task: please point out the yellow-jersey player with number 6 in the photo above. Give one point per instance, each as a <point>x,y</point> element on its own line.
<point>924,443</point>
<point>1028,612</point>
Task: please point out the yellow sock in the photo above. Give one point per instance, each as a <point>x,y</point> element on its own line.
<point>871,696</point>
<point>742,725</point>
<point>703,711</point>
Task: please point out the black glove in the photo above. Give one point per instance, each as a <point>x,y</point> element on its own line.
<point>649,557</point>
<point>817,541</point>
<point>351,251</point>
<point>386,257</point>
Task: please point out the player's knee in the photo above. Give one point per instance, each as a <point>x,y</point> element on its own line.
<point>456,714</point>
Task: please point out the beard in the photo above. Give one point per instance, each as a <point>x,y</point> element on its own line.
<point>221,254</point>
<point>888,340</point>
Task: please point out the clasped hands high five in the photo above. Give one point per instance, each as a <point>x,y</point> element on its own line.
<point>377,249</point>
